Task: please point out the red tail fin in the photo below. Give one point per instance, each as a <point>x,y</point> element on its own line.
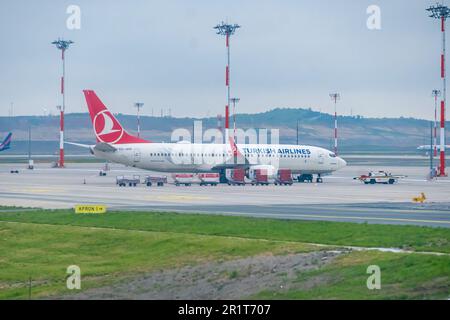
<point>106,127</point>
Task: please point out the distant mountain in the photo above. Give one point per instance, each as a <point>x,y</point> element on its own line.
<point>355,132</point>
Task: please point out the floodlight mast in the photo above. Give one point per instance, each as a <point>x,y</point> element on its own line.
<point>227,30</point>
<point>442,12</point>
<point>335,97</point>
<point>435,93</point>
<point>234,101</point>
<point>62,45</point>
<point>138,105</point>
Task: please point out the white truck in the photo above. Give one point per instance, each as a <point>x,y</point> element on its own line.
<point>380,177</point>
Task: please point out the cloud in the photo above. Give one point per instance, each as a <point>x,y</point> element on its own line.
<point>166,54</point>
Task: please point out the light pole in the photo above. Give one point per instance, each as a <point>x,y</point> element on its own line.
<point>335,97</point>
<point>436,94</point>
<point>62,45</point>
<point>234,101</point>
<point>442,12</point>
<point>138,105</point>
<point>227,30</point>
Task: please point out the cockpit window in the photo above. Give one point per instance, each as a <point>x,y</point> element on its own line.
<point>332,155</point>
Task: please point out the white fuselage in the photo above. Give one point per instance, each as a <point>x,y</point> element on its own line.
<point>429,147</point>
<point>187,157</point>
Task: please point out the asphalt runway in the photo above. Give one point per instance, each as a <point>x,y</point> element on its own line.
<point>339,198</point>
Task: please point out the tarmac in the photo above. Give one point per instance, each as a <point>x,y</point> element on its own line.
<point>339,198</point>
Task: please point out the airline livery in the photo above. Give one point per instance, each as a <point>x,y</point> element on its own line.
<point>6,144</point>
<point>115,144</point>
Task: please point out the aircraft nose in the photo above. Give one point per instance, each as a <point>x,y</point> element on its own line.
<point>341,162</point>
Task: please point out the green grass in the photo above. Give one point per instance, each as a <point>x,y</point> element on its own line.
<point>43,252</point>
<point>42,244</point>
<point>403,276</point>
<point>11,208</point>
<point>333,233</point>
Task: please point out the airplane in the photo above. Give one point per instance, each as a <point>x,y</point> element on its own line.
<point>6,144</point>
<point>429,147</point>
<point>116,145</point>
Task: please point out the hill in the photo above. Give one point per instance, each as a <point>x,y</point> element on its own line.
<point>355,132</point>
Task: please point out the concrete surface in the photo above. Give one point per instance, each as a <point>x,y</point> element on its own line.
<point>339,198</point>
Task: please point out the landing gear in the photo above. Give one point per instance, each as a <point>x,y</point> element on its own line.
<point>319,179</point>
<point>222,176</point>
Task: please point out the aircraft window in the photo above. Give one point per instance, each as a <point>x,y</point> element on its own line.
<point>332,155</point>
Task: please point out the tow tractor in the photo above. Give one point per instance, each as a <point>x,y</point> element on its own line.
<point>380,177</point>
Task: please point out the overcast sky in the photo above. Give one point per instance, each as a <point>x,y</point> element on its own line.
<point>167,55</point>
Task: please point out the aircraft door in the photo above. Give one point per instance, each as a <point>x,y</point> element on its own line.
<point>321,158</point>
<point>136,155</point>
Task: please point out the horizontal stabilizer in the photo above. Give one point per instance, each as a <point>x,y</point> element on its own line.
<point>79,145</point>
<point>104,147</point>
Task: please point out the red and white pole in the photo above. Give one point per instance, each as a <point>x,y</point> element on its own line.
<point>335,129</point>
<point>138,124</point>
<point>335,97</point>
<point>435,125</point>
<point>227,84</point>
<point>443,102</point>
<point>61,122</point>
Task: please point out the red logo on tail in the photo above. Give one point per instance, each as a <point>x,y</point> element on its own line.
<point>107,128</point>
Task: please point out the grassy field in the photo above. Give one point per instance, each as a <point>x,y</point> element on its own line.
<point>403,276</point>
<point>43,252</point>
<point>334,233</point>
<point>41,244</point>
